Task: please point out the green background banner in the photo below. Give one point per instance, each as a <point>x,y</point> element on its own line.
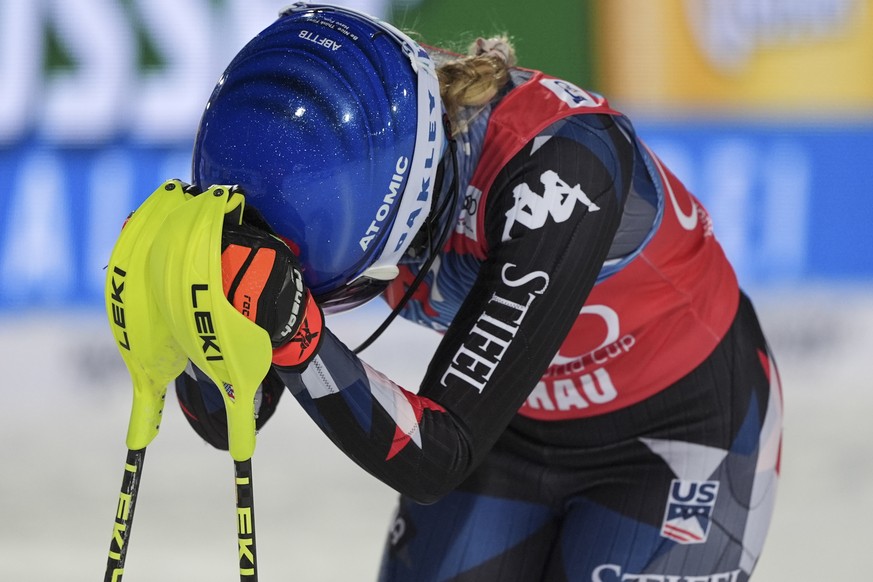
<point>556,36</point>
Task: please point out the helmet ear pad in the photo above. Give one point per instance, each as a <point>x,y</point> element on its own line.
<point>330,121</point>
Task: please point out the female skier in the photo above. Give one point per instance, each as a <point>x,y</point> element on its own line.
<point>602,406</point>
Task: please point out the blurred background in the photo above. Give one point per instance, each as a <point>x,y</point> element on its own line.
<point>763,107</point>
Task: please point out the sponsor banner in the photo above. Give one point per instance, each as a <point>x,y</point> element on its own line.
<point>91,122</point>
<point>800,56</point>
<point>100,105</point>
<point>789,204</point>
<point>81,72</point>
<point>61,210</point>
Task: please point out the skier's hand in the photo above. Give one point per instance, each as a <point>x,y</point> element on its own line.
<point>263,281</point>
<point>204,408</point>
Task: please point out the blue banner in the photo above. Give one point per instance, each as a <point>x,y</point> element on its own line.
<point>791,204</point>
<point>61,210</point>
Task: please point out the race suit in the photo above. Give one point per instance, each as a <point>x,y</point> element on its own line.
<point>603,405</point>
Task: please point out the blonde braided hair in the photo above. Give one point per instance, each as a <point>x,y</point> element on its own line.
<point>475,79</point>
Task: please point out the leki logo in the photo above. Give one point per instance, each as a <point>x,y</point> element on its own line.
<point>689,511</point>
<point>558,200</point>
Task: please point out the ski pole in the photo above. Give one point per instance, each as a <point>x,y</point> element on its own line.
<point>245,513</point>
<point>147,347</point>
<point>166,305</point>
<point>124,515</point>
<point>222,342</point>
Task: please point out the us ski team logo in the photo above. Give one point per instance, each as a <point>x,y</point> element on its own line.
<point>558,200</point>
<point>689,511</point>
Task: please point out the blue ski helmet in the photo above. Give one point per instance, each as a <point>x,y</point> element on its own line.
<point>331,123</point>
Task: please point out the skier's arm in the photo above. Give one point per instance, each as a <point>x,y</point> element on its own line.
<point>551,216</point>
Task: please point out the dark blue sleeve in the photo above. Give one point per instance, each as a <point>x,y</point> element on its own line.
<point>551,216</point>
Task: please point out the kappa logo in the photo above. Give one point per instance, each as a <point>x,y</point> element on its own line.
<point>558,200</point>
<point>689,511</point>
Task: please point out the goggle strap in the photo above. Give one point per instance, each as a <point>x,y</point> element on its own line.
<point>428,263</point>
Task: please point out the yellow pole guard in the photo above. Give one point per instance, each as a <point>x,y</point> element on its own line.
<point>146,343</point>
<point>184,270</point>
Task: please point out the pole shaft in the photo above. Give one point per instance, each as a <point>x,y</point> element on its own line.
<point>124,515</point>
<point>245,512</point>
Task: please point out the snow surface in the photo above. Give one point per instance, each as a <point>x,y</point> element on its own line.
<point>66,400</point>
